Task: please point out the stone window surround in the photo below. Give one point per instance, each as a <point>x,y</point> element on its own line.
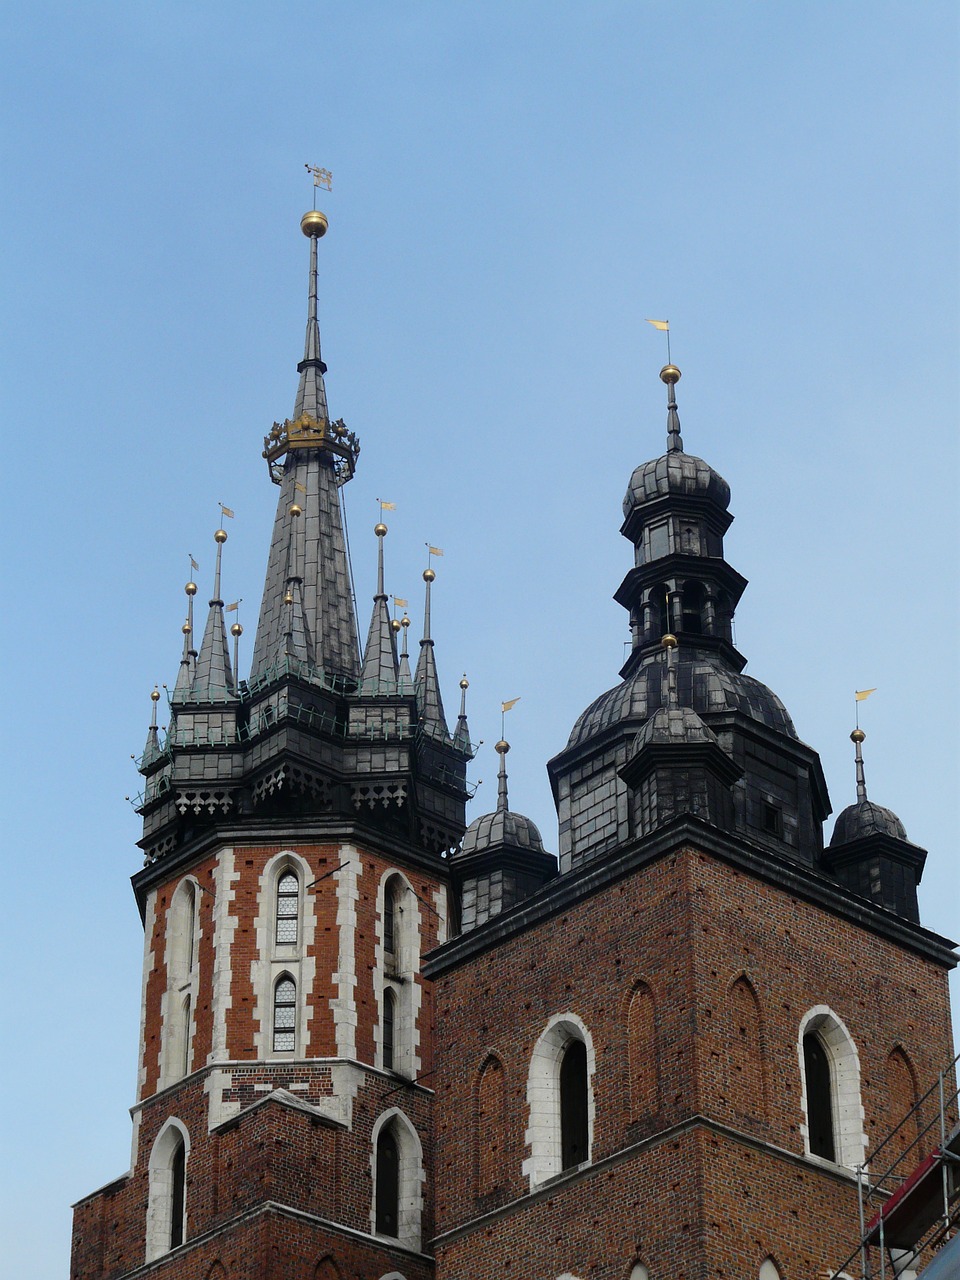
<point>274,959</point>
<point>412,1178</point>
<point>543,1136</point>
<point>160,1181</point>
<point>848,1114</point>
<point>401,979</point>
<point>179,1001</point>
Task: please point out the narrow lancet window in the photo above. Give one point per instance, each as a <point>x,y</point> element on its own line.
<point>816,1066</point>
<point>284,1015</point>
<point>288,907</point>
<point>573,1105</point>
<point>178,1194</point>
<point>389,1020</point>
<point>388,1182</point>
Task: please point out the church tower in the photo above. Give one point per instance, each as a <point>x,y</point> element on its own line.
<point>295,832</point>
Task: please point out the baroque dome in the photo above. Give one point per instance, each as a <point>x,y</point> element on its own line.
<point>675,473</point>
<point>501,828</point>
<point>866,819</point>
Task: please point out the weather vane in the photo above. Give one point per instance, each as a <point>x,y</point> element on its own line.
<point>321,178</point>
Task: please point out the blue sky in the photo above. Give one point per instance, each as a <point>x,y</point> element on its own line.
<point>516,186</point>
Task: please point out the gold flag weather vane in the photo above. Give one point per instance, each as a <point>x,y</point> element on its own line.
<point>321,177</point>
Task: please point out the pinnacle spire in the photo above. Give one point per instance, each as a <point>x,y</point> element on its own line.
<point>152,746</point>
<point>502,748</point>
<point>426,681</point>
<point>378,675</point>
<point>214,675</point>
<point>404,678</point>
<point>857,738</point>
<point>181,689</point>
<point>461,735</point>
<point>670,374</point>
<point>311,393</point>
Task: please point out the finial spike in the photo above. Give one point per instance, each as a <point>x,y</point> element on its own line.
<point>501,748</point>
<point>857,738</point>
<point>670,374</point>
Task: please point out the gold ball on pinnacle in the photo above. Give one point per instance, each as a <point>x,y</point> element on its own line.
<point>857,736</point>
<point>220,536</point>
<point>404,622</point>
<point>191,588</point>
<point>502,747</point>
<point>395,625</point>
<point>288,598</point>
<point>314,223</point>
<point>670,374</point>
<point>669,641</point>
<point>155,696</point>
<point>464,683</point>
<point>296,509</point>
<point>428,575</point>
<point>186,628</point>
<point>236,630</point>
<point>380,530</point>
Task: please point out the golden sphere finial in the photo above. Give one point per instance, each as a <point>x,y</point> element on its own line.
<point>296,509</point>
<point>395,624</point>
<point>670,374</point>
<point>288,598</point>
<point>404,622</point>
<point>186,628</point>
<point>669,641</point>
<point>428,575</point>
<point>236,630</point>
<point>155,696</point>
<point>380,530</point>
<point>502,747</point>
<point>464,683</point>
<point>220,536</point>
<point>191,588</point>
<point>857,736</point>
<point>314,223</point>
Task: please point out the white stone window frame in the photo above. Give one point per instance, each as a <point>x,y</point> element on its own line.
<point>276,959</point>
<point>543,1136</point>
<point>850,1140</point>
<point>399,976</point>
<point>770,1269</point>
<point>160,1187</point>
<point>179,1000</point>
<point>411,1180</point>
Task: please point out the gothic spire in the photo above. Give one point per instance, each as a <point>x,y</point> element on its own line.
<point>214,676</point>
<point>404,678</point>
<point>307,611</point>
<point>430,704</point>
<point>461,735</point>
<point>152,746</point>
<point>378,676</point>
<point>181,689</point>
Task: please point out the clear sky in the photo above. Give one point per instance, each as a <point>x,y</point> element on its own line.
<point>516,186</point>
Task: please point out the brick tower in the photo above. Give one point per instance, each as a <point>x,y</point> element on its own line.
<point>294,832</point>
<point>377,1044</point>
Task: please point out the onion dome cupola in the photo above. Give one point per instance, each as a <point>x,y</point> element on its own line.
<point>501,859</point>
<point>764,784</point>
<point>869,851</point>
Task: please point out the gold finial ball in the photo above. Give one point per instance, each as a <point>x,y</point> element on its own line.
<point>191,588</point>
<point>404,622</point>
<point>502,747</point>
<point>428,575</point>
<point>380,530</point>
<point>288,598</point>
<point>857,736</point>
<point>669,641</point>
<point>670,374</point>
<point>395,625</point>
<point>155,696</point>
<point>220,536</point>
<point>464,683</point>
<point>186,628</point>
<point>236,630</point>
<point>296,509</point>
<point>314,223</point>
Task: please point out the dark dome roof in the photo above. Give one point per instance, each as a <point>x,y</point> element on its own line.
<point>866,819</point>
<point>675,473</point>
<point>674,724</point>
<point>501,828</point>
<point>701,684</point>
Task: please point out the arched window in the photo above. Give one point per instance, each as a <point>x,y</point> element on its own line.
<point>816,1067</point>
<point>491,1126</point>
<point>186,1014</point>
<point>574,1125</point>
<point>167,1190</point>
<point>284,1014</point>
<point>769,1270</point>
<point>902,1120</point>
<point>288,908</point>
<point>639,1272</point>
<point>692,607</point>
<point>388,1183</point>
<point>326,1269</point>
<point>830,1073</point>
<point>745,1052</point>
<point>389,1017</point>
<point>642,1053</point>
<point>391,925</point>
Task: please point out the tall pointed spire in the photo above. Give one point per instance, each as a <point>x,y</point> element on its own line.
<point>378,675</point>
<point>461,735</point>
<point>404,677</point>
<point>185,675</point>
<point>426,681</point>
<point>152,746</point>
<point>307,612</point>
<point>214,676</point>
<point>311,393</point>
<point>670,374</point>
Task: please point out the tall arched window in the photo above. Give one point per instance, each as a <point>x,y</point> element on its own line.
<point>389,1027</point>
<point>745,1085</point>
<point>178,1191</point>
<point>284,1015</point>
<point>491,1126</point>
<point>388,1183</point>
<point>642,1053</point>
<point>902,1120</point>
<point>769,1270</point>
<point>816,1066</point>
<point>167,1190</point>
<point>391,925</point>
<point>186,1014</point>
<point>288,908</point>
<point>574,1124</point>
<point>692,607</point>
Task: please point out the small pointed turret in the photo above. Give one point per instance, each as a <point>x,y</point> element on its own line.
<point>311,393</point>
<point>152,746</point>
<point>214,676</point>
<point>404,676</point>
<point>181,689</point>
<point>427,684</point>
<point>378,675</point>
<point>461,735</point>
